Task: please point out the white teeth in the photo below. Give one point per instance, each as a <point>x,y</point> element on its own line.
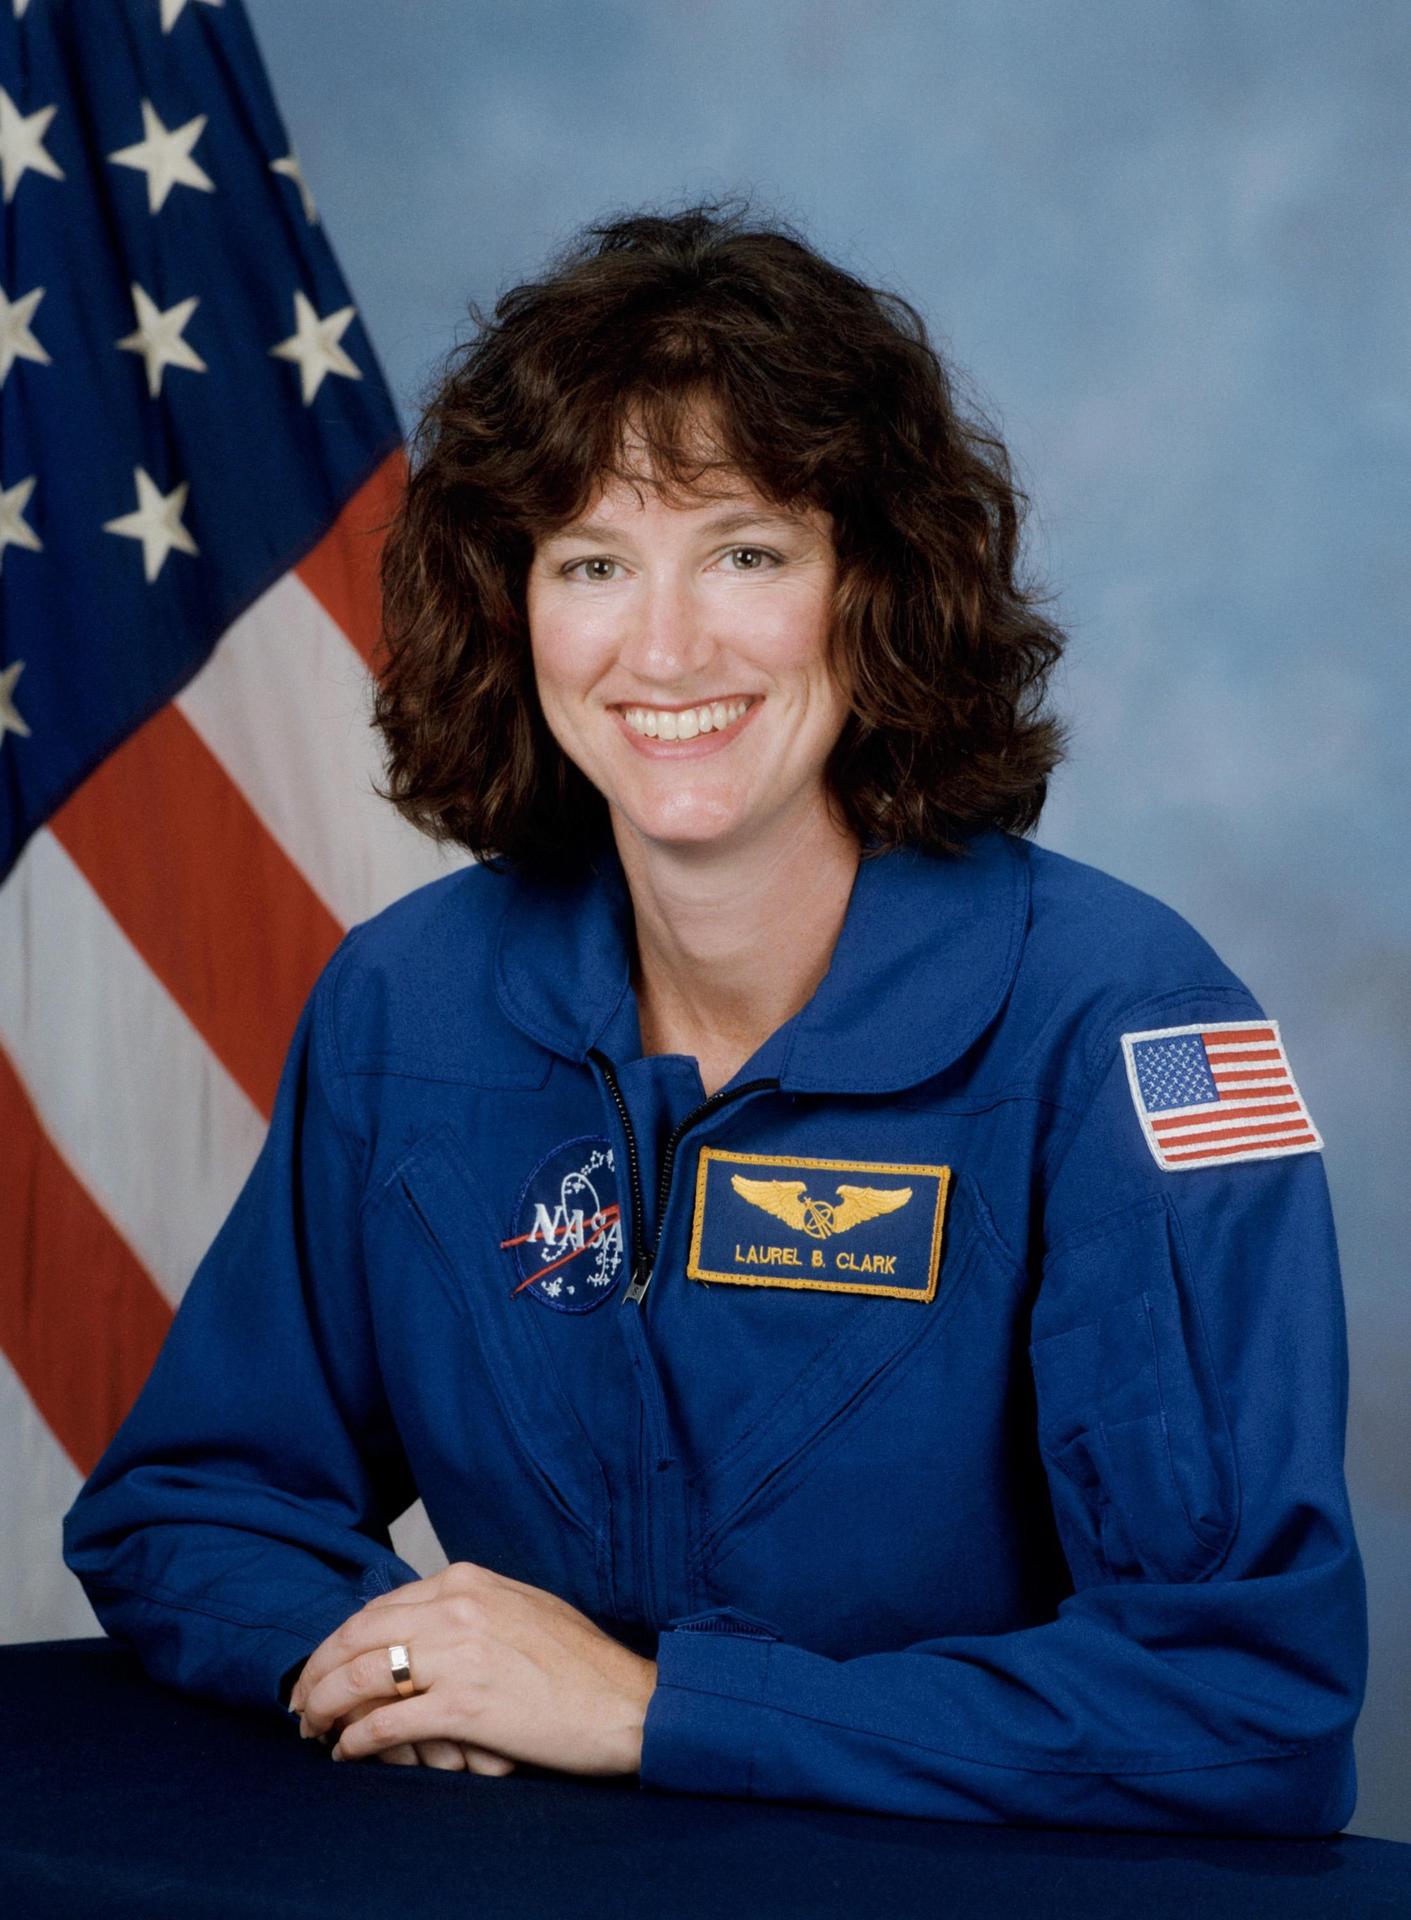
<point>663,723</point>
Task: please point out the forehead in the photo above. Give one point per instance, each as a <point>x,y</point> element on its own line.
<point>722,501</point>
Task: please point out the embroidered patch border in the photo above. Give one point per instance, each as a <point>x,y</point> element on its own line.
<point>695,1271</point>
<point>1243,1103</point>
<point>605,1228</point>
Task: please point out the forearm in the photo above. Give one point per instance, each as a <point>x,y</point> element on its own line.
<point>219,1610</point>
<point>1075,1723</point>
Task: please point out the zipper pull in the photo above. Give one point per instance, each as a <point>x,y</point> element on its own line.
<point>641,1278</point>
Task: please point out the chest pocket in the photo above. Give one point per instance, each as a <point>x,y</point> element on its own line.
<point>433,1204</point>
<point>1131,1424</point>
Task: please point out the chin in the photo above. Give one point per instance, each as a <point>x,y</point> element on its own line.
<point>693,824</point>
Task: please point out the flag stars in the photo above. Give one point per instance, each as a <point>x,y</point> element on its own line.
<point>290,169</point>
<point>22,145</point>
<point>10,721</point>
<point>164,155</point>
<point>172,11</point>
<point>158,337</point>
<point>15,530</point>
<point>156,523</point>
<point>17,342</point>
<point>314,347</point>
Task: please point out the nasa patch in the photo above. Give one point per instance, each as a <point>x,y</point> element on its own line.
<point>567,1242</point>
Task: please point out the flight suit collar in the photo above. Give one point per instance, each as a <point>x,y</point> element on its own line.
<point>924,961</point>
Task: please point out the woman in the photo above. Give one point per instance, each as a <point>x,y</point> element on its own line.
<point>855,1292</point>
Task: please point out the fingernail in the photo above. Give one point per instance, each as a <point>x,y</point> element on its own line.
<point>337,1753</point>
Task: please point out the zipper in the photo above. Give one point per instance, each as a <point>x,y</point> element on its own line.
<point>644,1257</point>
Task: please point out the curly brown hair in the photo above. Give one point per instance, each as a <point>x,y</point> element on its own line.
<point>818,389</point>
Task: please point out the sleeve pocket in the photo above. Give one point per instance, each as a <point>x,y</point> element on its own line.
<point>1131,1424</point>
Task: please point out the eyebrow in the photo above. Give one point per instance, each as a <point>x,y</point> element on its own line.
<point>722,523</point>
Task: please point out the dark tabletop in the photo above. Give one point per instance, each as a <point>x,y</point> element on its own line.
<point>121,1797</point>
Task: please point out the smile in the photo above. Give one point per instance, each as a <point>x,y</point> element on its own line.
<point>684,723</point>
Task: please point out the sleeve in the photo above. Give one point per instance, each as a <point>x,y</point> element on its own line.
<point>1190,1378</point>
<point>241,1511</point>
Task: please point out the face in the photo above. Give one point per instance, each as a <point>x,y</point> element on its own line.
<point>680,656</point>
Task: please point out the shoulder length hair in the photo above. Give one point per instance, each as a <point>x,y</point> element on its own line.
<point>821,391</point>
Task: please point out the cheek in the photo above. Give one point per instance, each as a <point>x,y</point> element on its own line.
<point>796,639</point>
<point>566,660</point>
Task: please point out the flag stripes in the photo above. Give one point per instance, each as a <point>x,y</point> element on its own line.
<point>80,1319</point>
<point>310,784</point>
<point>215,907</point>
<point>162,1141</point>
<point>40,1480</point>
<point>187,815</point>
<point>342,571</point>
<point>186,921</point>
<point>1207,1094</point>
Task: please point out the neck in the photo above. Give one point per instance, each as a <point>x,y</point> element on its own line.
<point>732,942</point>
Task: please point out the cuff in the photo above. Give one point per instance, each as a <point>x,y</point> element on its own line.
<point>291,1646</point>
<point>707,1715</point>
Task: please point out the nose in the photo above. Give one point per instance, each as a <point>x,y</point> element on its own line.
<point>666,640</point>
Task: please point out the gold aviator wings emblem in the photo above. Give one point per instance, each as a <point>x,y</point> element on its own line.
<point>788,1202</point>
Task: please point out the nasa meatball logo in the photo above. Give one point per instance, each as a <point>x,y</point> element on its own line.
<point>567,1242</point>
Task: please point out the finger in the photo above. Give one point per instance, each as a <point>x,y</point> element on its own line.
<point>374,1623</point>
<point>330,1738</point>
<point>445,1755</point>
<point>363,1667</point>
<point>393,1757</point>
<point>396,1724</point>
<point>360,1632</point>
<point>481,1760</point>
<point>360,1683</point>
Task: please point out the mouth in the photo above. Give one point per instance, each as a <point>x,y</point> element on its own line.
<point>680,724</point>
<point>703,726</point>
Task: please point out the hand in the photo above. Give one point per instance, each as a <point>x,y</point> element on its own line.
<point>448,1756</point>
<point>503,1668</point>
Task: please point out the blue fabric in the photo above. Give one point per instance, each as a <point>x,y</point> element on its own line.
<point>1047,1524</point>
<point>126,1799</point>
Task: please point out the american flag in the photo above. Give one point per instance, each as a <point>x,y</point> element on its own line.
<point>197,452</point>
<point>1208,1095</point>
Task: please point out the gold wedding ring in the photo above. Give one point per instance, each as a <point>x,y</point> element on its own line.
<point>401,1663</point>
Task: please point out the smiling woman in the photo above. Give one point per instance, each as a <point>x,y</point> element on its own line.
<point>855,1291</point>
<point>638,647</point>
<point>696,363</point>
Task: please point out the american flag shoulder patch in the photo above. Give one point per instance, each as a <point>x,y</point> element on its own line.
<point>1207,1095</point>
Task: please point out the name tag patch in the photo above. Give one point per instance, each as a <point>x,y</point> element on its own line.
<point>842,1226</point>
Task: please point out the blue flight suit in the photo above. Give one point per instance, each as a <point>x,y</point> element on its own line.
<point>952,1455</point>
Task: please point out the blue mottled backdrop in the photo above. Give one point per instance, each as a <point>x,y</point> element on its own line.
<point>1168,242</point>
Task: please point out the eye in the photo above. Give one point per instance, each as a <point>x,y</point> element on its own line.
<point>596,567</point>
<point>750,559</point>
